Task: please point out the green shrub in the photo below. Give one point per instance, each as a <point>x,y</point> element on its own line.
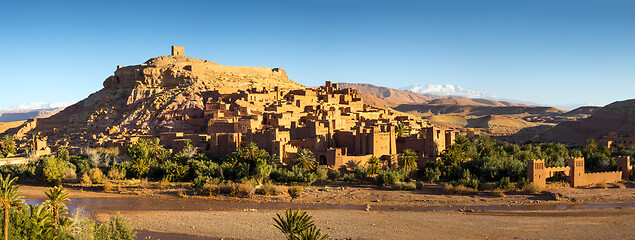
<point>270,189</point>
<point>360,172</point>
<point>96,176</point>
<point>334,175</point>
<point>85,179</point>
<point>497,193</point>
<point>432,174</point>
<point>62,154</point>
<point>69,175</point>
<point>296,175</point>
<point>23,171</point>
<point>210,189</point>
<point>227,188</point>
<point>459,189</point>
<point>200,181</point>
<point>115,228</point>
<point>406,186</point>
<point>173,171</point>
<point>50,169</point>
<point>532,188</point>
<point>81,163</point>
<point>321,173</point>
<point>244,189</point>
<point>390,177</point>
<point>504,183</point>
<point>116,173</point>
<point>420,184</point>
<point>108,186</point>
<point>349,177</point>
<point>295,191</point>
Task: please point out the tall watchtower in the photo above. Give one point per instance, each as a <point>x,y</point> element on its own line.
<point>576,175</point>
<point>178,51</point>
<point>624,165</point>
<point>536,172</point>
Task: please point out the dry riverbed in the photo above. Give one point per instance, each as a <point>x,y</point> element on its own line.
<point>560,212</point>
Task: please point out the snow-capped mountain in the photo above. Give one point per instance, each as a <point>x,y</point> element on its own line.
<point>39,105</point>
<point>449,90</point>
<point>32,110</point>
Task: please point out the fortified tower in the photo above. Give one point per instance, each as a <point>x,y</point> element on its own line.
<point>624,165</point>
<point>576,176</point>
<point>178,51</point>
<point>536,172</point>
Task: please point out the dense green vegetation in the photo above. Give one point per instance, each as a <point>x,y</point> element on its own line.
<point>473,163</point>
<point>470,162</point>
<point>45,221</point>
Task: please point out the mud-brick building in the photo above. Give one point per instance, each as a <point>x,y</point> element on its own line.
<point>537,173</point>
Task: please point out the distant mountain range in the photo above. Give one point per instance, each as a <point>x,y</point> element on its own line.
<point>38,105</point>
<point>449,90</point>
<point>458,91</point>
<point>32,110</point>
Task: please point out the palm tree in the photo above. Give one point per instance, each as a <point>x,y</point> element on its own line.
<point>401,129</point>
<point>8,144</point>
<point>293,224</point>
<point>40,220</point>
<point>313,233</point>
<point>9,196</point>
<point>373,165</point>
<point>305,159</point>
<point>408,160</point>
<point>57,195</point>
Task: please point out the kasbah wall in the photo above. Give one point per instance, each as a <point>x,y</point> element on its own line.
<point>537,173</point>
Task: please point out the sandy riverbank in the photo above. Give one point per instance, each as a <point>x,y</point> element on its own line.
<point>358,224</point>
<point>394,214</point>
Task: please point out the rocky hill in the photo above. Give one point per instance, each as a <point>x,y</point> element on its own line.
<point>617,116</point>
<point>162,94</point>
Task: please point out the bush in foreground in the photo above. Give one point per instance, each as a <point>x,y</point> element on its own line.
<point>115,228</point>
<point>270,189</point>
<point>532,188</point>
<point>459,189</point>
<point>295,191</point>
<point>405,186</point>
<point>298,225</point>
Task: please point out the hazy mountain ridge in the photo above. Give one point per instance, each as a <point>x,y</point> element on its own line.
<point>24,114</point>
<point>448,90</point>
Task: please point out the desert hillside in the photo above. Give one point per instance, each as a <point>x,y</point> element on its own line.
<point>163,94</point>
<point>617,116</point>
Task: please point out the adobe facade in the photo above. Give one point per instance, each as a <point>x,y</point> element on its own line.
<point>178,51</point>
<point>537,173</point>
<point>331,122</point>
<point>613,139</point>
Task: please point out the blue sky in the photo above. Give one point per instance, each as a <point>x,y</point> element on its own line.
<point>550,52</point>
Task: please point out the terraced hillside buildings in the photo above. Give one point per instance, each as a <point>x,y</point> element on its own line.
<point>218,108</point>
<point>331,122</point>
